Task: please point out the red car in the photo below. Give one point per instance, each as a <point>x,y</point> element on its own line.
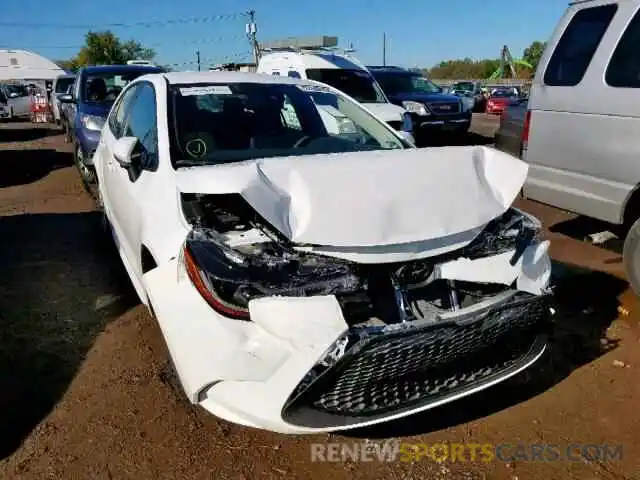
<point>499,100</point>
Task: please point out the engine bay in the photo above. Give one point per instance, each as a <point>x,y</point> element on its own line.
<point>242,257</point>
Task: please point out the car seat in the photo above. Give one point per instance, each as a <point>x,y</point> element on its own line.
<point>97,90</point>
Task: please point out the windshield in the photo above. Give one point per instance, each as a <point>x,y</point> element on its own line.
<point>464,86</point>
<point>104,87</point>
<point>21,90</point>
<point>222,123</point>
<point>503,93</point>
<point>358,84</point>
<point>395,84</point>
<point>63,84</point>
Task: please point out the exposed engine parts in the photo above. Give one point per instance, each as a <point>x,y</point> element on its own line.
<point>240,258</point>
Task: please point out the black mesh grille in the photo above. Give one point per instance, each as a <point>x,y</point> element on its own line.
<point>444,108</point>
<point>391,371</point>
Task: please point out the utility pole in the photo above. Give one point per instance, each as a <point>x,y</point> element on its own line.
<point>252,31</point>
<point>198,58</point>
<point>384,49</point>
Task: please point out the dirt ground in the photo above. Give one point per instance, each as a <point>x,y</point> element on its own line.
<point>85,378</point>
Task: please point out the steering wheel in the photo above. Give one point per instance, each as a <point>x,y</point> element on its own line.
<point>198,145</point>
<point>303,141</point>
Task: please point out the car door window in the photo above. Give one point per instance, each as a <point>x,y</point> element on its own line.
<point>624,68</point>
<point>117,116</point>
<point>141,122</point>
<point>577,45</point>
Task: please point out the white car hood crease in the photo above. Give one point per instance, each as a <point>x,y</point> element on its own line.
<point>374,198</point>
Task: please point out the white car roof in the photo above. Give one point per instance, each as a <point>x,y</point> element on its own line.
<point>314,59</point>
<point>228,77</point>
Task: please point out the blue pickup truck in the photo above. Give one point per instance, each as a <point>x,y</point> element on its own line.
<point>87,106</point>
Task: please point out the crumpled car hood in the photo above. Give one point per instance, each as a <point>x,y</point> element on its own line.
<point>366,199</point>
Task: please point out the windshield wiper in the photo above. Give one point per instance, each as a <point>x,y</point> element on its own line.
<point>190,163</point>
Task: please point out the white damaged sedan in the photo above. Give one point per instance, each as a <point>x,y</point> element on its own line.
<point>309,269</point>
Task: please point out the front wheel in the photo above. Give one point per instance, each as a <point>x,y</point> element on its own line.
<point>87,173</point>
<point>631,256</point>
<point>67,132</point>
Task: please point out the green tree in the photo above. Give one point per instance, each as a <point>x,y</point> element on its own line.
<point>533,53</point>
<point>105,48</point>
<point>464,68</point>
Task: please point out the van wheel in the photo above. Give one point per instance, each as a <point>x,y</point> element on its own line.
<point>631,255</point>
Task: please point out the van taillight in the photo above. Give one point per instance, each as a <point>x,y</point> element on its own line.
<point>525,128</point>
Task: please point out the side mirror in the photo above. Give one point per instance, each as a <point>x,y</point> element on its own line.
<point>13,95</point>
<point>406,136</point>
<point>123,151</point>
<point>66,98</point>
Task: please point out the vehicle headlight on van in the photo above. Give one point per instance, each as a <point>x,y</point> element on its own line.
<point>92,122</point>
<point>415,107</point>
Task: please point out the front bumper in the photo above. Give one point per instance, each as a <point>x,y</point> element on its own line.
<point>289,370</point>
<point>408,369</point>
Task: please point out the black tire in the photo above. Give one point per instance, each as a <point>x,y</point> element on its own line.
<point>67,132</point>
<point>631,256</point>
<point>87,173</point>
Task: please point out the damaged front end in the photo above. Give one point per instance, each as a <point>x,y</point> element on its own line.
<point>418,332</point>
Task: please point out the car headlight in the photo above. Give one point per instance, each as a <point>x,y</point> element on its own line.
<point>228,279</point>
<point>467,103</point>
<point>415,107</point>
<point>92,122</point>
<point>346,126</point>
<point>514,229</point>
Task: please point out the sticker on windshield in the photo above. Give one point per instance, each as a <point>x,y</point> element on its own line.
<point>208,90</point>
<point>314,88</point>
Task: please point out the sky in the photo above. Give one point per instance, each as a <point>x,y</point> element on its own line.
<point>419,32</point>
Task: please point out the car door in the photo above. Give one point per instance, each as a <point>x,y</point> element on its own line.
<point>127,187</point>
<point>104,153</point>
<point>22,103</point>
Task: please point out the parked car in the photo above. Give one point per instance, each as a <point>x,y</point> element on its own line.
<point>581,136</point>
<point>18,100</point>
<point>341,71</point>
<point>4,107</point>
<point>508,137</point>
<point>94,91</point>
<point>499,99</point>
<point>310,269</point>
<point>473,91</point>
<point>430,109</point>
<point>61,85</point>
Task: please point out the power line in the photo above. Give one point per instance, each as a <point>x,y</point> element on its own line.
<point>210,60</point>
<point>202,41</point>
<point>153,23</point>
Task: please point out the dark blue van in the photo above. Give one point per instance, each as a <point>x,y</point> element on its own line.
<point>88,105</point>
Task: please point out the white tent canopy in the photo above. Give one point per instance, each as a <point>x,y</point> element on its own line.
<point>24,65</point>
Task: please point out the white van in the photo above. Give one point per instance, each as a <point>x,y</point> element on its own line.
<point>582,132</point>
<point>341,71</point>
